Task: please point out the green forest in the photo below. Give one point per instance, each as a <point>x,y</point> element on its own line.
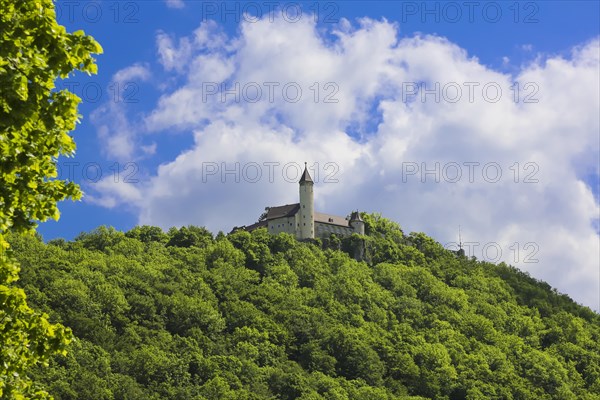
<point>184,314</point>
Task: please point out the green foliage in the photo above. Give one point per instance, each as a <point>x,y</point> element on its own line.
<point>258,316</point>
<point>147,234</point>
<point>35,119</point>
<point>26,336</point>
<point>188,236</point>
<point>34,125</point>
<point>377,226</point>
<point>101,238</point>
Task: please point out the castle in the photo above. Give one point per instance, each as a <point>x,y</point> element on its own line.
<point>302,221</point>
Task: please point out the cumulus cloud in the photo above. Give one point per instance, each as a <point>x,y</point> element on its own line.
<point>117,134</point>
<point>412,127</point>
<point>172,56</point>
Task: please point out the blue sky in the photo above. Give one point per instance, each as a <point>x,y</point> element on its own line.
<point>151,129</point>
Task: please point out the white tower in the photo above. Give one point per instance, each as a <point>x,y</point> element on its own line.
<point>357,223</point>
<point>306,220</point>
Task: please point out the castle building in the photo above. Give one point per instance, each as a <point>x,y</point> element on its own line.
<point>301,219</point>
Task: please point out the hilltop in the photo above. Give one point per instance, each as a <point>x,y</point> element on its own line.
<point>185,315</point>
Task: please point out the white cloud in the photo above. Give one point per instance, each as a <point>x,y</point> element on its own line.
<point>527,47</point>
<point>175,3</point>
<point>136,72</point>
<point>119,136</point>
<point>173,57</point>
<point>114,192</point>
<point>149,149</point>
<point>116,134</point>
<point>377,130</point>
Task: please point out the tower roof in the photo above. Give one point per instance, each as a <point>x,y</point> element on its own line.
<point>305,176</point>
<point>355,216</point>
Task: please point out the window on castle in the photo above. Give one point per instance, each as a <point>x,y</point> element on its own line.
<point>305,224</point>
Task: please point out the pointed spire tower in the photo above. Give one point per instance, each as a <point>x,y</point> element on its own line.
<point>306,220</point>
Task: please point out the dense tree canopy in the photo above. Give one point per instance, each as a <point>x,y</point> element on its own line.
<point>183,315</point>
<point>34,124</point>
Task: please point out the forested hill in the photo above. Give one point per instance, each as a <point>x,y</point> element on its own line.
<point>185,315</point>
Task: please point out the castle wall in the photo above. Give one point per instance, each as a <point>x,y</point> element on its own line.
<point>324,230</point>
<point>284,224</point>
